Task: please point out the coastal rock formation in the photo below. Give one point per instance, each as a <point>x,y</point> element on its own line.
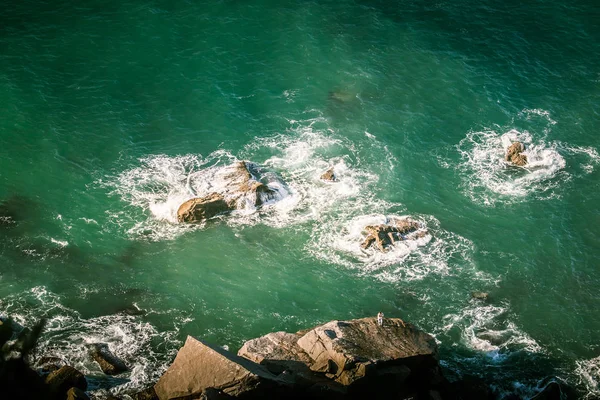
<point>329,175</point>
<point>199,366</point>
<point>109,363</point>
<point>240,188</point>
<point>61,380</point>
<point>384,235</point>
<point>514,154</point>
<point>340,359</point>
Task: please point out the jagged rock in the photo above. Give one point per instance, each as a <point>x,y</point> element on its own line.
<point>353,350</point>
<point>76,394</point>
<point>513,154</point>
<point>384,235</point>
<point>242,188</point>
<point>199,366</point>
<point>109,363</point>
<point>201,209</point>
<point>329,175</point>
<point>61,380</point>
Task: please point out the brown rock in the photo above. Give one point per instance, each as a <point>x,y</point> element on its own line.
<point>146,394</point>
<point>352,350</point>
<point>76,394</point>
<point>329,175</point>
<point>199,367</point>
<point>384,235</point>
<point>61,380</point>
<point>513,154</point>
<point>109,363</point>
<point>201,209</point>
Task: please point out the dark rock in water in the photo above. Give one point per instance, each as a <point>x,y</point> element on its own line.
<point>472,388</point>
<point>199,367</point>
<point>61,380</point>
<point>201,209</point>
<point>479,295</point>
<point>6,331</point>
<point>146,394</point>
<point>384,235</point>
<point>513,154</point>
<point>329,175</point>
<point>109,363</point>
<point>76,394</point>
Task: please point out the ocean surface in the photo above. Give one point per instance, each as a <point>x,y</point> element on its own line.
<point>112,113</point>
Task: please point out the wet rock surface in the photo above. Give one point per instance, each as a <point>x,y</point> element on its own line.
<point>384,235</point>
<point>514,154</point>
<point>109,363</point>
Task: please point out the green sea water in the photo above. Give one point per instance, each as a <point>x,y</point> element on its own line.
<point>113,113</point>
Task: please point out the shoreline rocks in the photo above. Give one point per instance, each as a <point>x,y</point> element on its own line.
<point>385,235</point>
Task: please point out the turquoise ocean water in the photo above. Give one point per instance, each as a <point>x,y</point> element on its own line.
<point>110,112</point>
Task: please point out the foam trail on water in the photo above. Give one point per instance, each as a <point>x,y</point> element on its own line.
<point>588,375</point>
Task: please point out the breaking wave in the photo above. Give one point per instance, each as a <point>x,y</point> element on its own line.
<point>332,214</point>
<point>67,335</point>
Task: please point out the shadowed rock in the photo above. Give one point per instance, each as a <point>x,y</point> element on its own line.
<point>199,367</point>
<point>61,380</point>
<point>513,154</point>
<point>109,363</point>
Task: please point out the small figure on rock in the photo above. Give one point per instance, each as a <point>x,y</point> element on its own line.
<point>380,318</point>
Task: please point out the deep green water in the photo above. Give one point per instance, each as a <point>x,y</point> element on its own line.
<point>108,110</point>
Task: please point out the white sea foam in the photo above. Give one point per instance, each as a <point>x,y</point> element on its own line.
<point>67,337</point>
<point>486,329</point>
<point>588,374</point>
<point>487,178</point>
<point>332,214</point>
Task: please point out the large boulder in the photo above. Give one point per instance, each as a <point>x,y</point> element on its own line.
<point>352,350</point>
<point>109,363</point>
<point>514,154</point>
<point>385,235</point>
<point>237,186</point>
<point>61,380</point>
<point>203,208</point>
<point>199,366</point>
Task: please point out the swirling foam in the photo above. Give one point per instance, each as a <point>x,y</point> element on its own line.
<point>320,209</point>
<point>67,335</point>
<point>588,373</point>
<point>487,178</point>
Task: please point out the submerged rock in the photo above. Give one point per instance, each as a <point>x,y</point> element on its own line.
<point>109,363</point>
<point>384,235</point>
<point>514,154</point>
<point>480,295</point>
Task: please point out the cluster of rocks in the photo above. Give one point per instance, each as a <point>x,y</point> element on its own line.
<point>514,154</point>
<point>338,360</point>
<point>242,186</point>
<point>385,235</point>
